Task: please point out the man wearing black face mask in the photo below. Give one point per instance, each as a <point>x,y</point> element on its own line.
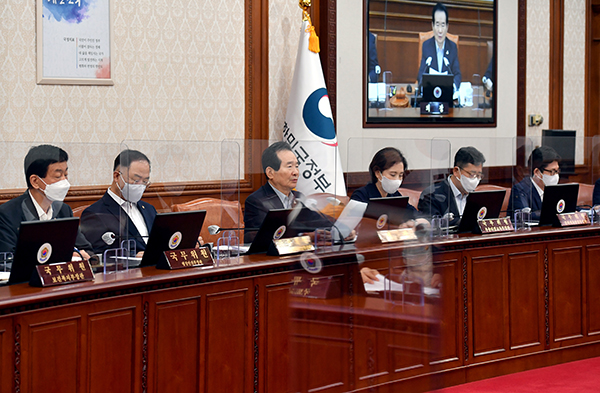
<point>120,214</point>
<point>449,197</point>
<point>46,172</point>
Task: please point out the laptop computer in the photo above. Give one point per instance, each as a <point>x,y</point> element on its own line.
<point>480,205</point>
<point>560,198</point>
<point>276,225</point>
<point>394,207</point>
<point>172,231</point>
<point>42,242</point>
<point>438,88</point>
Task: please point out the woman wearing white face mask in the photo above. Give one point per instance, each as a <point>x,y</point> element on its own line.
<point>529,193</point>
<point>46,172</point>
<point>387,169</point>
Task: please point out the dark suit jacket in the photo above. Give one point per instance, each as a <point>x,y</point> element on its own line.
<point>104,216</point>
<point>373,77</point>
<point>264,199</point>
<point>20,209</point>
<point>596,195</point>
<point>450,52</point>
<point>364,194</point>
<point>524,194</point>
<point>437,200</point>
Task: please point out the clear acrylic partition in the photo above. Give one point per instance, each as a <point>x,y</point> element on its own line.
<point>594,160</point>
<point>227,243</point>
<point>179,169</point>
<point>521,209</point>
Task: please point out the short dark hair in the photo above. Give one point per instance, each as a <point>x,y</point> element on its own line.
<point>126,157</point>
<point>269,156</point>
<point>39,158</point>
<point>385,159</point>
<point>468,155</point>
<point>436,8</point>
<point>541,157</point>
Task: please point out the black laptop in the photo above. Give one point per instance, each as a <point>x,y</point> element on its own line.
<point>560,198</point>
<point>438,88</point>
<point>172,231</point>
<point>395,208</point>
<point>40,243</point>
<point>276,225</point>
<point>481,205</point>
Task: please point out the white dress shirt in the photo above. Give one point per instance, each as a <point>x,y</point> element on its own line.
<point>134,213</point>
<point>44,216</point>
<point>461,200</point>
<point>287,201</point>
<point>539,190</point>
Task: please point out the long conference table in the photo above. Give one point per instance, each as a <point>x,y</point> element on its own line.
<point>508,302</point>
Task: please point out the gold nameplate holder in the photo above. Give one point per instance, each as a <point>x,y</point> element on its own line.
<point>61,273</point>
<point>573,219</point>
<point>290,245</point>
<point>397,235</point>
<point>495,225</point>
<point>186,258</point>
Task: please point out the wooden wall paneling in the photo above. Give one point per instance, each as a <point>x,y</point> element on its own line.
<point>592,290</point>
<point>81,348</point>
<point>174,329</point>
<point>272,332</point>
<point>7,355</point>
<point>114,349</point>
<point>489,303</point>
<point>228,338</point>
<point>448,348</point>
<point>526,300</point>
<point>557,39</point>
<point>566,293</point>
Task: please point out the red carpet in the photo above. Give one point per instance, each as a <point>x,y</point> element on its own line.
<point>580,376</point>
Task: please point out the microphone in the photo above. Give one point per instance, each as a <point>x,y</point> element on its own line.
<point>110,237</point>
<point>214,229</point>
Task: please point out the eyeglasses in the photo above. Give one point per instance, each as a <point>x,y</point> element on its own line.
<point>552,172</point>
<point>472,175</point>
<point>136,181</point>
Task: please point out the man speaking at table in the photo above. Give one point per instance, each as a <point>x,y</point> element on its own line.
<point>439,54</point>
<point>280,166</point>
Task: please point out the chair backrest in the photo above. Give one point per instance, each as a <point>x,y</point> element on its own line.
<point>413,196</point>
<point>78,210</point>
<point>585,195</point>
<point>226,214</point>
<point>492,187</point>
<point>427,35</point>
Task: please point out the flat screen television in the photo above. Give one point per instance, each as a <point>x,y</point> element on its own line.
<point>405,40</point>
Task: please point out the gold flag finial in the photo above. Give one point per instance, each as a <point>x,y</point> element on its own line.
<point>313,40</point>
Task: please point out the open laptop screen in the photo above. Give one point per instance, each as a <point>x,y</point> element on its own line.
<point>481,205</point>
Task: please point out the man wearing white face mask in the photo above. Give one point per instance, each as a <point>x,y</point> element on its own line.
<point>449,197</point>
<point>120,214</point>
<point>529,193</point>
<point>46,172</point>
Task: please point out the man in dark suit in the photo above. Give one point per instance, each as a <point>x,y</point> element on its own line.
<point>120,214</point>
<point>529,193</point>
<point>439,54</point>
<point>449,197</point>
<point>374,69</point>
<point>46,173</point>
<point>280,165</point>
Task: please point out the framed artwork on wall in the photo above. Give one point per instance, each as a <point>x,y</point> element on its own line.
<point>74,39</point>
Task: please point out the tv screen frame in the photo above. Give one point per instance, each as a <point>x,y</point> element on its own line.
<point>396,26</point>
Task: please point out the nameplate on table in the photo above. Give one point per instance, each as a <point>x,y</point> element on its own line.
<point>396,235</point>
<point>290,245</point>
<point>573,219</point>
<point>187,258</point>
<point>434,108</point>
<point>62,273</point>
<point>495,225</point>
<point>315,287</point>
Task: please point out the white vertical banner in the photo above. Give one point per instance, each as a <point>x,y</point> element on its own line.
<point>309,125</point>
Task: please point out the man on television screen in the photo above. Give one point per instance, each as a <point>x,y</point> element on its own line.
<point>439,54</point>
